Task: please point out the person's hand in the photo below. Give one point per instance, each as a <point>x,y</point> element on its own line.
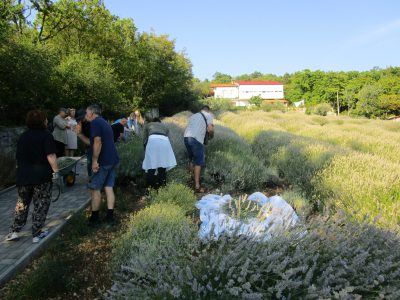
<point>95,167</point>
<point>78,128</point>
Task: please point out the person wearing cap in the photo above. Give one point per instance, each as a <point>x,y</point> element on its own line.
<point>60,125</point>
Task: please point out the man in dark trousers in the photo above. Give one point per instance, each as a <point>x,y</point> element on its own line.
<point>104,162</point>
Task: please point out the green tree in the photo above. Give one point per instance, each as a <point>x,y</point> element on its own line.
<point>219,77</point>
<point>85,79</point>
<point>367,104</point>
<point>256,100</point>
<point>389,105</point>
<point>200,88</point>
<point>26,74</point>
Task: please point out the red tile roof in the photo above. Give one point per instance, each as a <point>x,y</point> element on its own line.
<point>223,85</point>
<point>258,83</point>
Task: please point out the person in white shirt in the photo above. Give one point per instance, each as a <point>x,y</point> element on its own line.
<point>200,127</point>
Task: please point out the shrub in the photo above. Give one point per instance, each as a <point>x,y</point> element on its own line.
<point>175,193</point>
<point>356,185</point>
<point>300,204</point>
<point>326,259</point>
<point>131,155</point>
<point>231,165</point>
<point>77,227</point>
<point>273,106</point>
<point>158,236</point>
<point>243,209</point>
<point>256,101</point>
<point>297,159</point>
<point>49,278</point>
<point>179,174</point>
<point>322,109</point>
<point>217,104</point>
<point>348,163</point>
<point>320,121</point>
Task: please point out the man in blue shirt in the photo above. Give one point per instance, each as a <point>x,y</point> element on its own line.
<point>104,162</point>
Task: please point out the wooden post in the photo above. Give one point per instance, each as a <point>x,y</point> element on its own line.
<point>337,101</point>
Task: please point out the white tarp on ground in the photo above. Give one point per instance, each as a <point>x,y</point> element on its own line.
<point>278,216</point>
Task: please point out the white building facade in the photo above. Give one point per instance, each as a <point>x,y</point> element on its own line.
<point>267,90</point>
<point>241,91</point>
<point>226,91</point>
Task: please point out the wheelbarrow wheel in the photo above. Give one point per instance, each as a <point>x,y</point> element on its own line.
<point>69,179</point>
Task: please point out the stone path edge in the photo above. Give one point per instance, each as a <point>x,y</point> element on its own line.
<point>28,257</point>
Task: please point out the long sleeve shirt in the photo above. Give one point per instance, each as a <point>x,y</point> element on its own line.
<point>154,128</point>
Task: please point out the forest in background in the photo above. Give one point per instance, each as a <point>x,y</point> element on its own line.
<point>371,94</point>
<point>74,53</point>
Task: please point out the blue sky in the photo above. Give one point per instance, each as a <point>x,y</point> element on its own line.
<point>239,37</point>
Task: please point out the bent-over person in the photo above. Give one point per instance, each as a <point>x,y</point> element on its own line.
<point>159,156</point>
<point>199,124</point>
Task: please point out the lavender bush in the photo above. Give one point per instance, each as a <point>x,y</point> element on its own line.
<point>327,259</point>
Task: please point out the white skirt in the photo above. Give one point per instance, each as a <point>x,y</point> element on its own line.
<point>159,153</point>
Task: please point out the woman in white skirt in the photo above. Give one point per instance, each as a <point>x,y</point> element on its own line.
<point>72,139</point>
<point>159,156</point>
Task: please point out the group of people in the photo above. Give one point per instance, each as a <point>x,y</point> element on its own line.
<point>37,152</point>
<point>124,127</point>
<point>64,133</point>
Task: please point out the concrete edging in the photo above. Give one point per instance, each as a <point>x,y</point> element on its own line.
<point>36,250</point>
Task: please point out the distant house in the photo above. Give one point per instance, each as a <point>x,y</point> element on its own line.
<point>241,91</point>
<point>225,90</point>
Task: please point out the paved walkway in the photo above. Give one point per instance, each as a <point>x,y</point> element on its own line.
<point>15,255</point>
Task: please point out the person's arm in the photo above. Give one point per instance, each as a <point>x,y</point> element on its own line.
<point>52,159</point>
<point>80,135</point>
<point>210,130</point>
<point>96,153</point>
<point>60,123</point>
<point>84,139</point>
<point>210,126</point>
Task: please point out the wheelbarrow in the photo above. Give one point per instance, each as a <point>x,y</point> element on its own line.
<point>65,177</point>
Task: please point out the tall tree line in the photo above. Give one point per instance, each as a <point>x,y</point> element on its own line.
<point>373,94</point>
<point>75,53</point>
